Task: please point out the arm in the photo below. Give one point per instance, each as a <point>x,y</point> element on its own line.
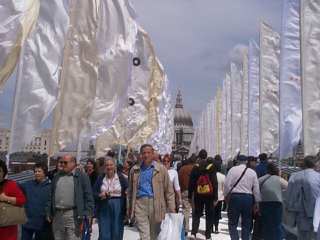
<point>13,195</point>
<point>191,184</point>
<point>227,184</point>
<point>168,192</point>
<point>283,183</point>
<point>256,189</point>
<point>88,196</point>
<point>177,189</point>
<point>96,189</point>
<point>129,192</point>
<point>215,186</point>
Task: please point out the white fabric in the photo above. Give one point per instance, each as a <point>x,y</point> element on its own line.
<point>248,184</point>
<point>224,123</point>
<point>173,176</point>
<point>236,92</point>
<point>39,72</point>
<point>221,180</point>
<point>228,117</point>
<point>111,186</point>
<point>254,102</point>
<point>290,80</point>
<point>171,226</point>
<point>245,104</point>
<point>269,89</point>
<point>310,43</point>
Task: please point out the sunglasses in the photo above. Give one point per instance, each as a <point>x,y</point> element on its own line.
<point>63,162</point>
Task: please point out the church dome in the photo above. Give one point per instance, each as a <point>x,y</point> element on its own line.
<point>181,117</point>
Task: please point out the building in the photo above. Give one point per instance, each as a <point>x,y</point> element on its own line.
<point>39,144</point>
<point>183,127</point>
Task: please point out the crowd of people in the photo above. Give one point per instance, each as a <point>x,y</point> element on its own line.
<point>142,191</point>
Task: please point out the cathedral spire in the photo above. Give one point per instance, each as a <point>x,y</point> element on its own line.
<point>179,100</point>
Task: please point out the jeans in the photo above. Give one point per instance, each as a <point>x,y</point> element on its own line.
<point>271,218</point>
<point>240,204</point>
<point>217,215</point>
<point>199,204</point>
<point>110,219</point>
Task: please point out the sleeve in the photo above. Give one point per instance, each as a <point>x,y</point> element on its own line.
<point>192,183</point>
<point>256,188</point>
<point>168,191</point>
<point>215,186</point>
<point>15,191</point>
<point>227,184</point>
<point>176,184</point>
<point>283,183</point>
<point>88,196</point>
<point>129,191</point>
<point>96,189</point>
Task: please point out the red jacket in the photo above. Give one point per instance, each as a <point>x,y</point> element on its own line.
<point>11,189</point>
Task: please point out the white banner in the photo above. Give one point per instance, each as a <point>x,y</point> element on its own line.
<point>290,81</point>
<point>236,92</point>
<point>254,101</point>
<point>269,89</point>
<point>228,122</point>
<point>39,73</point>
<point>245,104</point>
<point>224,122</point>
<point>310,49</point>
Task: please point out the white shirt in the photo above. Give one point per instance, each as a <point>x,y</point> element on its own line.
<point>111,186</point>
<point>248,184</point>
<point>173,176</point>
<point>221,179</point>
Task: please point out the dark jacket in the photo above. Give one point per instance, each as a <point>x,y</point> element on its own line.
<point>97,187</point>
<point>37,195</point>
<point>83,195</point>
<point>196,172</point>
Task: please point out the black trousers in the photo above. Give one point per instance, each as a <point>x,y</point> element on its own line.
<point>201,203</point>
<point>217,214</point>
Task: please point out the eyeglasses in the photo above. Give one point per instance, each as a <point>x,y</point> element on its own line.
<point>64,162</point>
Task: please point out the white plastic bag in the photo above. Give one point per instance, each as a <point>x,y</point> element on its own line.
<point>171,227</point>
<point>316,216</point>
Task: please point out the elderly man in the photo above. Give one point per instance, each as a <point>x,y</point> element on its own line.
<point>303,191</point>
<point>150,194</point>
<point>71,200</point>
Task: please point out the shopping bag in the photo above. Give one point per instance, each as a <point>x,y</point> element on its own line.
<point>86,229</point>
<point>171,226</point>
<point>316,216</point>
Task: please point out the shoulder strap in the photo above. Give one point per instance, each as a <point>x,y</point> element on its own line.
<point>239,179</point>
<point>263,182</point>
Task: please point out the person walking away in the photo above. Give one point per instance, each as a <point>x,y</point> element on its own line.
<point>241,191</point>
<point>110,195</point>
<point>37,192</point>
<point>184,177</point>
<point>303,191</point>
<point>91,171</point>
<point>203,188</point>
<point>262,166</point>
<point>10,193</point>
<point>271,188</point>
<point>221,180</point>
<point>71,201</point>
<point>150,194</point>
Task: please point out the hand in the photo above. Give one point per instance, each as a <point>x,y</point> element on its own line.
<point>215,203</point>
<point>3,197</point>
<point>180,209</point>
<point>256,210</point>
<point>49,219</point>
<point>103,195</point>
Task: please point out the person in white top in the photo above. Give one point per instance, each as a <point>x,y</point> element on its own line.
<point>221,180</point>
<point>241,190</point>
<point>173,176</point>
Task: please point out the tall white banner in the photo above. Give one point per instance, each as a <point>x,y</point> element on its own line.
<point>245,104</point>
<point>236,92</point>
<point>269,89</point>
<point>310,53</point>
<point>228,122</point>
<point>218,123</point>
<point>39,73</point>
<point>254,101</point>
<point>290,80</point>
<point>224,122</point>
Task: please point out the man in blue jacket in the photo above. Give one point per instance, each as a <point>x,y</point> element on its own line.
<point>37,192</point>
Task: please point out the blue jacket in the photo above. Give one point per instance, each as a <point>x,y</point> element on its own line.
<point>261,169</point>
<point>37,195</point>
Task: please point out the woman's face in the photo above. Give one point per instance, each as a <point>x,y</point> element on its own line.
<point>166,162</point>
<point>1,174</point>
<point>110,167</point>
<point>90,166</point>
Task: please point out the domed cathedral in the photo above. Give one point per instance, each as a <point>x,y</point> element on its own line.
<point>183,126</point>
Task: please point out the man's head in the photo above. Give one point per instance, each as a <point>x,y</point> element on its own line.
<point>242,159</point>
<point>147,154</point>
<point>203,154</point>
<point>263,157</point>
<point>40,172</point>
<point>68,163</point>
<point>309,162</point>
<point>252,162</point>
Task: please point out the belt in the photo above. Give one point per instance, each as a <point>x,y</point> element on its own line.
<point>65,209</point>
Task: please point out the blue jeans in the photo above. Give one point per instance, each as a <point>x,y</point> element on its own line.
<point>110,219</point>
<point>240,204</point>
<point>271,217</point>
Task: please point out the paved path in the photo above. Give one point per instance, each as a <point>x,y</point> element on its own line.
<point>131,233</point>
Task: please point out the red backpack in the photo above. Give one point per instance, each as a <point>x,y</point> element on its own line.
<point>204,186</point>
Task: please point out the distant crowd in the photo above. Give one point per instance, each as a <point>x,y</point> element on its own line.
<point>64,204</point>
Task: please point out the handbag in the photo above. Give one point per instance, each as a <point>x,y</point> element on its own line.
<point>11,215</point>
<point>227,197</point>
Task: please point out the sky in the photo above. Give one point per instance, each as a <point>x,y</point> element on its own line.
<point>195,40</point>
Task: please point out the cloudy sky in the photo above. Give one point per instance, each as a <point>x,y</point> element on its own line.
<point>195,40</point>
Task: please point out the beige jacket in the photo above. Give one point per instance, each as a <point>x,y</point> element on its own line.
<point>164,200</point>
